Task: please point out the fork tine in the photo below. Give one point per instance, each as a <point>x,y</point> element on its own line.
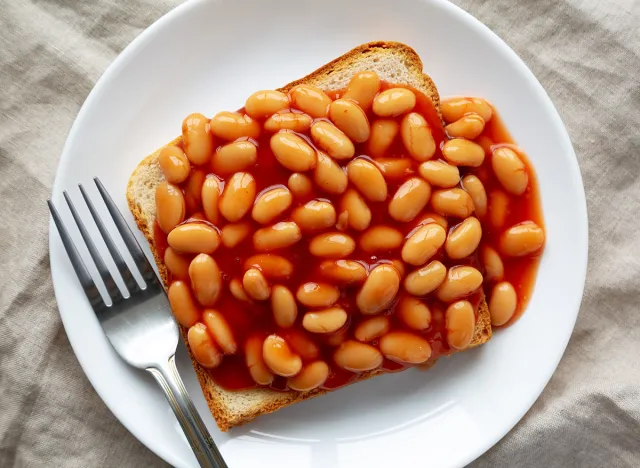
<point>129,280</point>
<point>89,287</point>
<point>139,258</point>
<point>112,287</point>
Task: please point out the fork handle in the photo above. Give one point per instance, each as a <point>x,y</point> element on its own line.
<point>194,429</point>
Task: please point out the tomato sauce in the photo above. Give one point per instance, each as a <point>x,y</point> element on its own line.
<point>256,318</point>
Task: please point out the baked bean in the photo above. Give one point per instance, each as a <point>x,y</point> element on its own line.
<point>498,208</point>
<point>380,239</point>
<point>502,303</point>
<point>279,358</point>
<point>258,370</point>
<point>358,213</point>
<point>351,119</point>
<point>368,179</point>
<point>202,346</point>
<point>410,199</point>
<point>468,126</point>
<point>362,88</point>
<point>294,121</point>
<point>357,357</point>
<point>343,221</point>
<point>383,133</point>
<point>194,238</point>
<point>423,244</point>
<point>184,306</point>
<point>510,170</point>
<point>493,266</point>
<point>311,376</point>
<point>206,280</point>
<point>272,266</point>
<point>394,168</point>
<point>379,290</point>
<point>233,125</point>
<point>399,265</point>
<point>311,100</point>
<point>283,305</point>
<point>302,345</point>
<point>317,294</point>
<point>459,282</point>
<point>417,137</point>
<point>174,164</point>
<point>393,102</point>
<point>343,271</point>
<point>170,206</point>
<point>238,196</point>
<point>440,174</point>
<point>292,151</point>
<point>299,185</point>
<point>522,239</point>
<point>332,140</point>
<point>196,138</point>
<point>324,321</point>
<point>401,346</point>
<point>414,313</point>
<point>329,176</point>
<point>177,264</point>
<point>192,189</point>
<point>332,245</point>
<point>453,202</point>
<point>460,152</point>
<point>210,199</point>
<point>220,330</point>
<point>263,104</point>
<point>430,217</point>
<point>271,204</point>
<point>234,233</point>
<point>237,290</point>
<point>372,328</point>
<point>455,108</point>
<point>426,279</point>
<point>463,239</point>
<point>460,323</point>
<point>278,236</point>
<point>314,215</point>
<point>255,285</point>
<point>234,157</point>
<point>475,189</point>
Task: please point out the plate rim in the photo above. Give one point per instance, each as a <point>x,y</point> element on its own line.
<point>112,69</point>
<point>470,21</point>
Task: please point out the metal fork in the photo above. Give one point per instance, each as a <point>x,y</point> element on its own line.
<point>140,327</point>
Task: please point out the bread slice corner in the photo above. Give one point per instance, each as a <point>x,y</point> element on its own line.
<point>394,62</point>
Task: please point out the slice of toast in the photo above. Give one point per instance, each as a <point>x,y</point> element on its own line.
<point>393,62</point>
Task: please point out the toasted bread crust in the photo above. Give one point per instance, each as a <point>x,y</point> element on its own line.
<point>233,408</point>
<point>345,63</point>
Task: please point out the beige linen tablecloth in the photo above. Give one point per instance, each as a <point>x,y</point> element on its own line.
<point>585,53</point>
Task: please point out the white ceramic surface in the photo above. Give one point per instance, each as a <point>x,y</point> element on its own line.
<point>208,56</point>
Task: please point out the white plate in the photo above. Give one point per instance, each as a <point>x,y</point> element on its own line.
<point>208,56</point>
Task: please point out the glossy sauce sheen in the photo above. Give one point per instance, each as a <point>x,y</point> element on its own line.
<point>257,318</point>
<point>519,271</point>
